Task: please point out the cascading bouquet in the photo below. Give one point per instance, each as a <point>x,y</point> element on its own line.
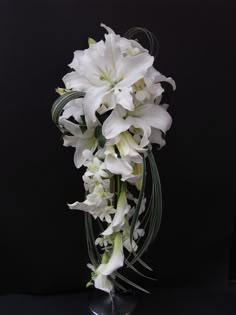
<point>110,112</point>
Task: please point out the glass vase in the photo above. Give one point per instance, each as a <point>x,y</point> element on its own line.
<point>115,303</point>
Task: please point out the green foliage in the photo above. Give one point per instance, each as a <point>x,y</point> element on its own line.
<point>99,136</point>
<point>140,199</point>
<point>153,212</point>
<point>60,103</point>
<point>151,221</point>
<point>93,253</point>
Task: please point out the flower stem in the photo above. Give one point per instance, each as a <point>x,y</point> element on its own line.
<point>118,185</point>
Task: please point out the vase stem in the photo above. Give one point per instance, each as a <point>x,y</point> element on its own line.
<point>114,303</point>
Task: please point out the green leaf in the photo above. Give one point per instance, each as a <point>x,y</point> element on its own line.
<point>91,41</point>
<point>89,284</point>
<point>99,136</point>
<point>144,264</point>
<point>83,126</point>
<point>60,103</point>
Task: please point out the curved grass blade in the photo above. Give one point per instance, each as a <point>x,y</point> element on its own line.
<point>141,274</point>
<point>144,264</point>
<point>90,225</point>
<point>154,218</point>
<point>140,199</point>
<point>100,226</point>
<point>145,220</point>
<point>91,255</point>
<point>94,256</point>
<point>61,102</point>
<point>117,284</point>
<point>151,37</point>
<point>158,196</point>
<point>118,275</point>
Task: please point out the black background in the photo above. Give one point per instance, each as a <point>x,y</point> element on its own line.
<point>42,244</point>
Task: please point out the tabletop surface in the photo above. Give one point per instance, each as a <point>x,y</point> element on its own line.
<point>161,301</point>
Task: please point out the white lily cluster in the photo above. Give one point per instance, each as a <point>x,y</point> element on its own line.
<point>111,128</point>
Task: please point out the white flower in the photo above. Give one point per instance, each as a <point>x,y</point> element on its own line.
<point>97,203</point>
<point>96,172</point>
<point>95,167</point>
<point>119,218</point>
<point>106,75</point>
<point>91,182</point>
<point>75,109</point>
<point>101,282</point>
<point>129,154</point>
<point>128,46</point>
<point>145,117</point>
<point>103,241</point>
<point>153,79</point>
<point>81,141</point>
<point>116,259</point>
<point>108,266</point>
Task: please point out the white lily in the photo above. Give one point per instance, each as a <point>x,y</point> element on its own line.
<point>110,263</point>
<point>153,79</point>
<point>128,47</point>
<point>97,203</point>
<point>129,153</point>
<point>75,109</point>
<point>106,75</point>
<point>81,141</point>
<point>116,259</point>
<point>145,117</point>
<point>101,282</point>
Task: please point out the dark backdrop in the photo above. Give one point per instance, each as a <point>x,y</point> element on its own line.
<point>42,244</point>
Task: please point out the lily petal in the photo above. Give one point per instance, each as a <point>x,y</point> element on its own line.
<point>79,158</point>
<point>79,206</point>
<point>73,128</point>
<point>74,81</point>
<point>124,98</point>
<point>108,103</point>
<point>75,64</point>
<point>133,68</point>
<point>116,260</point>
<point>156,137</point>
<point>108,29</point>
<point>162,78</point>
<point>155,116</point>
<point>115,124</point>
<point>102,282</point>
<point>118,166</point>
<point>119,218</point>
<point>92,101</point>
<point>74,108</point>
